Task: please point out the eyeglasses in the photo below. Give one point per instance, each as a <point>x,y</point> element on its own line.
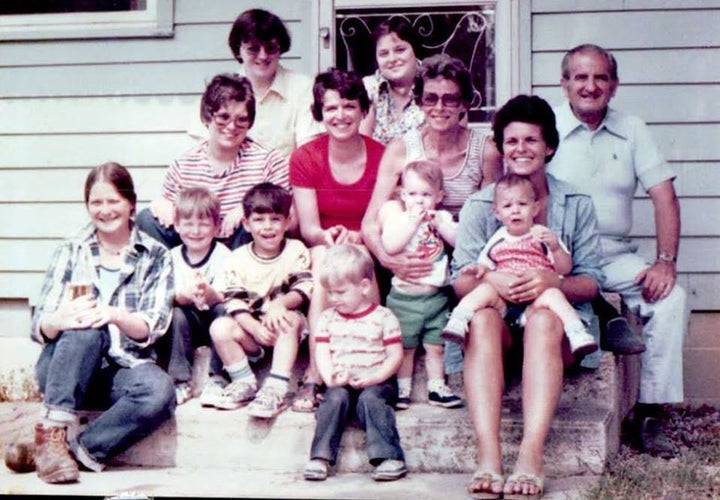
<point>447,100</point>
<point>253,48</point>
<point>223,119</point>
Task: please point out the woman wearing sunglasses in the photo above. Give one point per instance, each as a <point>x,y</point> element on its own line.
<point>467,157</point>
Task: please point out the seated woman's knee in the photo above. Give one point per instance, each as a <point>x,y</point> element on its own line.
<point>544,324</point>
<point>85,341</point>
<point>485,322</point>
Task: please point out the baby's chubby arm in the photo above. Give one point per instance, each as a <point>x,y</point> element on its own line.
<point>562,258</point>
<point>398,226</point>
<point>443,222</point>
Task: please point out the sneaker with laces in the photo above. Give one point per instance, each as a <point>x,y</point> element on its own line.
<point>236,394</point>
<point>455,330</point>
<point>444,397</point>
<point>268,403</point>
<point>212,393</point>
<point>389,470</point>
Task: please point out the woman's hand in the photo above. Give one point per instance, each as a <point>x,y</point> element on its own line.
<point>164,211</point>
<point>529,285</point>
<point>338,235</point>
<point>410,266</point>
<point>231,222</point>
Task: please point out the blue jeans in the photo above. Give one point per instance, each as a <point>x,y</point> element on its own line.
<point>147,223</point>
<point>374,408</point>
<point>74,374</point>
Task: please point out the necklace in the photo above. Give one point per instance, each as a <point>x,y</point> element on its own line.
<point>109,251</point>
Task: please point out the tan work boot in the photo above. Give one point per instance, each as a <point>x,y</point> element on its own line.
<point>52,457</point>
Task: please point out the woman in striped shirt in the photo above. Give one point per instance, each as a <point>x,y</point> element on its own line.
<point>228,163</point>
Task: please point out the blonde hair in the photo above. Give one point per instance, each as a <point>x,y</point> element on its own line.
<point>197,201</point>
<point>429,171</point>
<point>346,263</point>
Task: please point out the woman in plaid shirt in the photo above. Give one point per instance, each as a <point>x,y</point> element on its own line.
<point>106,298</point>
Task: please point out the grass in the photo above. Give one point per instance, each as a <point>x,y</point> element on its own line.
<point>693,474</point>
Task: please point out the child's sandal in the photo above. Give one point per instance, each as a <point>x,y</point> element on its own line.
<point>306,398</point>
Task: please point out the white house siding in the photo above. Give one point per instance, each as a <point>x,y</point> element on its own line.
<point>66,106</point>
<point>668,54</point>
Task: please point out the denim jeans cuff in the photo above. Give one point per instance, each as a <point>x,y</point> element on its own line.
<point>82,456</point>
<point>58,414</point>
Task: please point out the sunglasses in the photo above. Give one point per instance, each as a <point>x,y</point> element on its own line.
<point>447,100</point>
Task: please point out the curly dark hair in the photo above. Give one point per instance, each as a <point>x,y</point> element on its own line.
<point>527,109</point>
<point>223,88</point>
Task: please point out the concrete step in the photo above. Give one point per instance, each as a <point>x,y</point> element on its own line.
<point>228,483</point>
<point>584,433</point>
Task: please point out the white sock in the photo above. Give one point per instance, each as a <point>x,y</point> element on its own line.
<point>464,314</point>
<point>240,371</point>
<point>435,384</point>
<point>574,328</point>
<point>404,386</point>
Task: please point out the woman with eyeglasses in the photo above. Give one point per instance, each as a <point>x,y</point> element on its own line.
<point>468,159</point>
<point>228,163</point>
<point>257,39</point>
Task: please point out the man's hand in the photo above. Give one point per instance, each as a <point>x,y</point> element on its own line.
<point>657,280</point>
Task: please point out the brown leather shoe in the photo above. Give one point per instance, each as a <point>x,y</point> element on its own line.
<point>52,458</point>
<point>20,456</point>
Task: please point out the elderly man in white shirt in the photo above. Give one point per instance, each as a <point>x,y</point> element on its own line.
<point>606,153</point>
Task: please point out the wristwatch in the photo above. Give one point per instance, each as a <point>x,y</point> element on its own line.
<point>666,257</point>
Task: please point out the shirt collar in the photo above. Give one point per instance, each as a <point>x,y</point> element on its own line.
<point>138,241</point>
<point>567,122</point>
<point>278,86</point>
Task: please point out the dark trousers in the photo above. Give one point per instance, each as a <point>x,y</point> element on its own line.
<point>374,409</point>
<point>189,330</point>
